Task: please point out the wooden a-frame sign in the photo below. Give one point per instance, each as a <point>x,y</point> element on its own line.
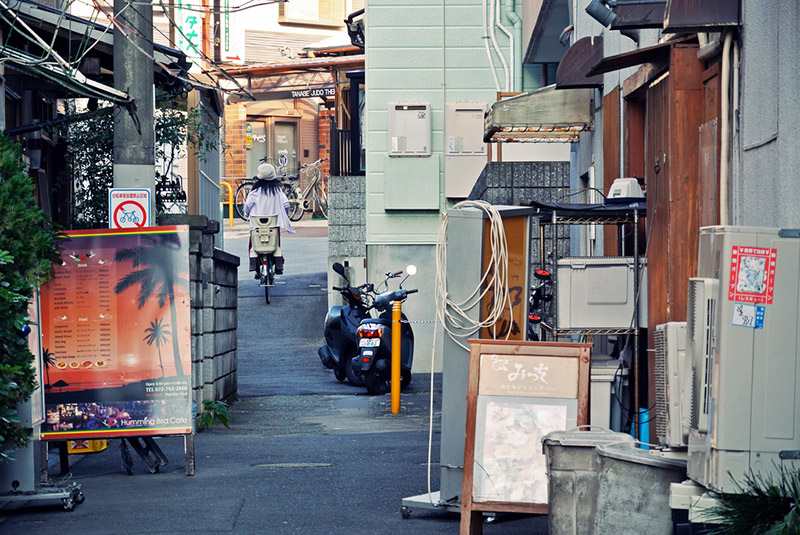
<point>517,393</point>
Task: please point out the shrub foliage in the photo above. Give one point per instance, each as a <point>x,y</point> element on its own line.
<point>27,248</point>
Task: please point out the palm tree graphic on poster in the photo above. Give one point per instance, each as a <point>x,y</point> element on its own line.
<point>156,333</point>
<point>157,259</point>
<point>48,357</point>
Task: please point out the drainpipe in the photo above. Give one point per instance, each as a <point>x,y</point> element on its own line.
<point>516,56</point>
<point>725,77</point>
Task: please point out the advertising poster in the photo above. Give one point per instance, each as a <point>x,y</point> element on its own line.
<point>117,335</point>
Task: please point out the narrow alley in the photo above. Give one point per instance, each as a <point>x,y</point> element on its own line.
<point>305,455</point>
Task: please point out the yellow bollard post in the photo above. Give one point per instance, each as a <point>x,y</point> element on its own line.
<point>396,315</point>
<point>230,201</point>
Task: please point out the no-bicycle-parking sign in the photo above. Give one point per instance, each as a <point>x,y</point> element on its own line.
<point>128,208</point>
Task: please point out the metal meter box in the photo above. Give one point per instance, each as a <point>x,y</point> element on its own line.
<point>465,151</point>
<point>597,292</point>
<point>409,129</point>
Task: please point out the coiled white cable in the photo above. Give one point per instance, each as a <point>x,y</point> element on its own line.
<point>454,317</point>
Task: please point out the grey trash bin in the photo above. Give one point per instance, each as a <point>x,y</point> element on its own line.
<point>633,491</point>
<point>572,477</point>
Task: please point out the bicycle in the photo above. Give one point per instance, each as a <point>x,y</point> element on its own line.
<point>312,197</point>
<point>290,188</point>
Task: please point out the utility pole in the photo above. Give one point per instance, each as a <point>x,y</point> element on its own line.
<point>134,130</point>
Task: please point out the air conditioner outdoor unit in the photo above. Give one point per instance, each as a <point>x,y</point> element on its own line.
<point>743,342</point>
<point>671,371</point>
<point>700,339</point>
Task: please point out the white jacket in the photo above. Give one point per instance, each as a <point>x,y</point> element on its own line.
<point>262,203</point>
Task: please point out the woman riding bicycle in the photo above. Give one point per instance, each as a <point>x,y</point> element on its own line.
<point>267,198</point>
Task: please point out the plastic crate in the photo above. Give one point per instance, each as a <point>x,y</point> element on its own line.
<point>86,446</point>
<point>597,293</point>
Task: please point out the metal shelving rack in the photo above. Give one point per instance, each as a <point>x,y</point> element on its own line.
<point>573,214</point>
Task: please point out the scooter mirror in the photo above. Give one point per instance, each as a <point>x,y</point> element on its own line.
<point>411,269</point>
<point>338,268</point>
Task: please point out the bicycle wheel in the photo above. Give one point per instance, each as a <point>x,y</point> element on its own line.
<point>295,204</point>
<point>267,274</point>
<point>240,197</point>
<point>321,200</point>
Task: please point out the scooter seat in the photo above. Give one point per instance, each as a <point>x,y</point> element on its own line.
<point>379,321</point>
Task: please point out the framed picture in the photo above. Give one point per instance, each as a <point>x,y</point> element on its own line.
<point>518,392</point>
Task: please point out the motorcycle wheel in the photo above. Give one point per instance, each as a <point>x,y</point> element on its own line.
<point>354,379</point>
<point>376,386</point>
<point>405,378</point>
<point>339,374</point>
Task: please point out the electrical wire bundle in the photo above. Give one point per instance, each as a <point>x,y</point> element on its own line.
<point>454,316</point>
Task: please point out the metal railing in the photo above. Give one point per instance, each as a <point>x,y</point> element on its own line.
<point>345,155</point>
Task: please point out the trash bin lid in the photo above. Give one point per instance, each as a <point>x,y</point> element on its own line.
<point>629,452</point>
<point>585,437</point>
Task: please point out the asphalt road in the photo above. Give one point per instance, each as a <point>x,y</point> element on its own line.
<point>305,455</point>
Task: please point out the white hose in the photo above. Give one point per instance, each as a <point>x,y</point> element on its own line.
<point>510,74</point>
<point>459,324</point>
<point>485,38</point>
<point>496,46</point>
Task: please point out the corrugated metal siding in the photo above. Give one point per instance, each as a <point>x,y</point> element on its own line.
<point>309,130</point>
<point>265,47</point>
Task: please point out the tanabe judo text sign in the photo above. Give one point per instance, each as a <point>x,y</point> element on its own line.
<point>116,335</point>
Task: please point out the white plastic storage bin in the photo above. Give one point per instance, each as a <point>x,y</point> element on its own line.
<point>597,293</point>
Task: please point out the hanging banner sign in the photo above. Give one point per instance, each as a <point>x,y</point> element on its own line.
<point>232,45</point>
<point>116,335</point>
<point>190,23</point>
<point>311,92</point>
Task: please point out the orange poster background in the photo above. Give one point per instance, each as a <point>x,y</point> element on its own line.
<point>116,328</point>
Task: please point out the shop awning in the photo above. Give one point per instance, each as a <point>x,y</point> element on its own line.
<point>548,19</point>
<point>638,15</point>
<point>540,116</point>
<point>651,54</point>
<point>689,16</point>
<point>584,54</point>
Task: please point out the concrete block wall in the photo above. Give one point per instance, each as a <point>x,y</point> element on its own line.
<point>513,183</point>
<point>347,231</point>
<point>213,280</point>
<point>347,217</point>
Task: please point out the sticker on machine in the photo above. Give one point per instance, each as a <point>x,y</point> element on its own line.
<point>748,315</point>
<point>752,276</point>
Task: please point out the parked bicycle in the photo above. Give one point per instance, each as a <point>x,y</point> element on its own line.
<point>313,197</point>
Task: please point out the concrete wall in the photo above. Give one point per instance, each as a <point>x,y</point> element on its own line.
<point>213,279</point>
<point>418,307</point>
<point>766,146</point>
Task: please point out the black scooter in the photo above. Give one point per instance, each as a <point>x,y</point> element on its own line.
<point>374,364</point>
<point>341,325</point>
